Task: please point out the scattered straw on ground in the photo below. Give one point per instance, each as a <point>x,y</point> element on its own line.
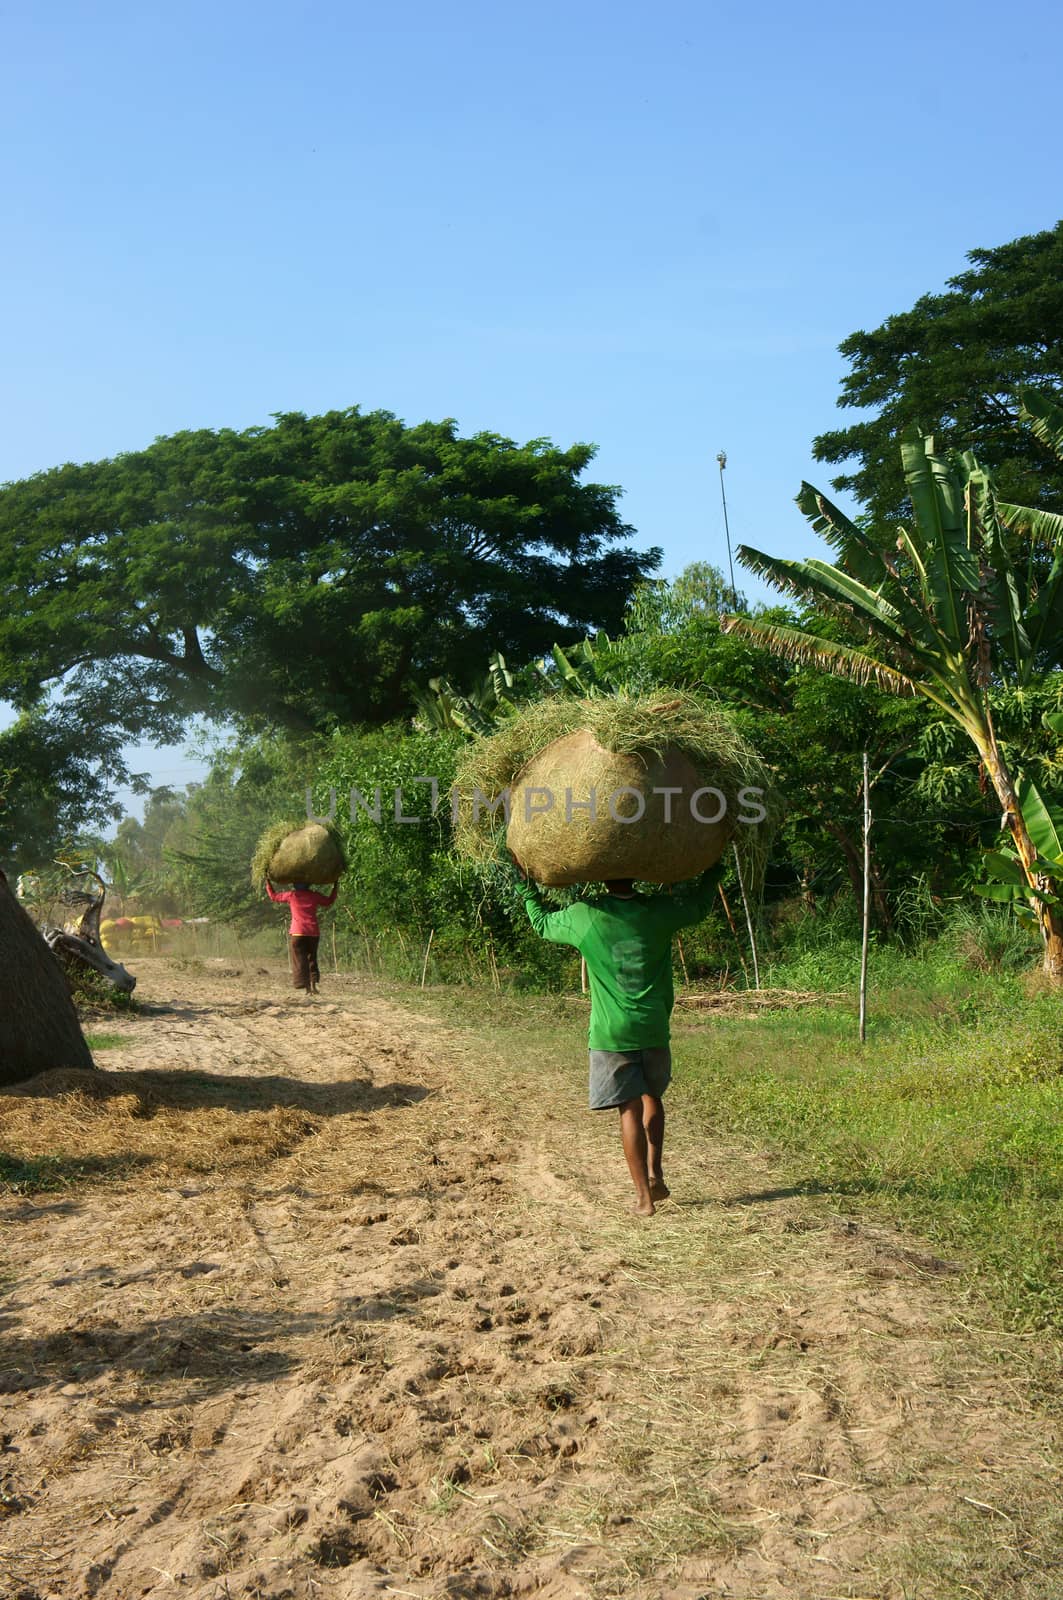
<point>401,1335</point>
<point>734,1001</point>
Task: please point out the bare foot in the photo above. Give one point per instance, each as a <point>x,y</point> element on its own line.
<point>644,1206</point>
<point>659,1190</point>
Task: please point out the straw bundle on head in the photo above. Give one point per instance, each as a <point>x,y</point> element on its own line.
<point>581,776</point>
<point>293,852</point>
<point>39,1029</point>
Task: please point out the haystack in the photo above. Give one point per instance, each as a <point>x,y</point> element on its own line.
<point>290,852</point>
<point>580,778</point>
<point>39,1029</point>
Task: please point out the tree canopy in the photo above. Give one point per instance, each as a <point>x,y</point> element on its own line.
<point>951,366</point>
<point>302,575</point>
<point>54,786</point>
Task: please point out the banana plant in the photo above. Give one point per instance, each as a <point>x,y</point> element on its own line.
<point>969,597</point>
<point>1004,868</point>
<point>586,669</point>
<point>126,882</point>
<point>445,708</point>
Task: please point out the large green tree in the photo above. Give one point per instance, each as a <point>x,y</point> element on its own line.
<point>952,366</point>
<point>54,785</point>
<point>304,575</point>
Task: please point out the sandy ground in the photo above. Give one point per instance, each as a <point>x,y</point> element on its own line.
<point>346,1332</point>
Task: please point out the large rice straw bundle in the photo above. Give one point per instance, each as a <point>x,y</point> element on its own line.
<point>294,852</point>
<point>567,747</point>
<point>39,1029</point>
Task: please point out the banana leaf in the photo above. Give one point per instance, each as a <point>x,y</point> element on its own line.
<point>1004,865</point>
<point>1044,417</point>
<point>951,566</point>
<point>1044,822</point>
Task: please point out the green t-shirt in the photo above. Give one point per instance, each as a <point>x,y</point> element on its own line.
<point>627,945</point>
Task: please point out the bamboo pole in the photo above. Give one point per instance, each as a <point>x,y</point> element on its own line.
<point>734,930</point>
<point>583,974</point>
<point>683,961</point>
<point>427,953</point>
<point>749,918</point>
<point>867,904</point>
<point>335,957</point>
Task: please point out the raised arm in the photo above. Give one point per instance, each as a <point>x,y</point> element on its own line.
<point>281,898</point>
<point>693,901</point>
<point>560,927</point>
<point>327,899</point>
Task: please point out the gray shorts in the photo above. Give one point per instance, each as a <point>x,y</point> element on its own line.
<point>621,1075</point>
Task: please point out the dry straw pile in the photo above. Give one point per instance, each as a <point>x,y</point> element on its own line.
<point>294,852</point>
<point>568,747</point>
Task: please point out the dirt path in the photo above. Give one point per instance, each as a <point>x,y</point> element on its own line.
<point>340,1334</point>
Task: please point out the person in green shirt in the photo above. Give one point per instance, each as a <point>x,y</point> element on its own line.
<point>626,940</point>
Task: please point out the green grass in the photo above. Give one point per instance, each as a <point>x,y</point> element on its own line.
<point>952,1127</point>
<point>93,993</point>
<point>106,1041</point>
<point>40,1174</point>
<point>949,1120</point>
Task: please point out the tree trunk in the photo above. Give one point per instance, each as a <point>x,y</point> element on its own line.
<point>1049,918</point>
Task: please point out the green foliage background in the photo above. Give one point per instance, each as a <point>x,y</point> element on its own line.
<point>406,883</point>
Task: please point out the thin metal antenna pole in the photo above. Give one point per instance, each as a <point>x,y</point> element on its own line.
<point>722,459</point>
<point>867,904</point>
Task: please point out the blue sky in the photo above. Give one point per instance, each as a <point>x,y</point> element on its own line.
<point>644,226</point>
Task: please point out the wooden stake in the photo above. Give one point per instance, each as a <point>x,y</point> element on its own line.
<point>734,930</point>
<point>683,961</point>
<point>335,957</point>
<point>428,951</point>
<point>749,918</point>
<point>867,904</point>
<point>583,975</point>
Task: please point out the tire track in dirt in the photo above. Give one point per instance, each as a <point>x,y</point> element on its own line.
<point>390,1350</point>
<point>416,1353</point>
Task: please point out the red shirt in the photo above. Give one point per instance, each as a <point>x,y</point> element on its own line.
<point>304,904</point>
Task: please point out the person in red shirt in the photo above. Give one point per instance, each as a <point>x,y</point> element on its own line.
<point>303,932</point>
